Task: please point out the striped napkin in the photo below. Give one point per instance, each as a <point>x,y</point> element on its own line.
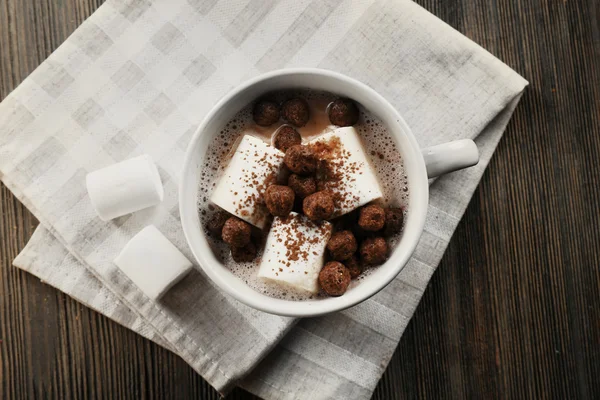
<point>138,76</point>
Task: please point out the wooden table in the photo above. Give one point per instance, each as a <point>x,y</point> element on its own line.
<point>514,309</point>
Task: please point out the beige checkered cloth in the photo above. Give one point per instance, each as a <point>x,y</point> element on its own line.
<point>138,76</point>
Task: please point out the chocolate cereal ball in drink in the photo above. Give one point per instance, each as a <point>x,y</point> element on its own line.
<point>216,223</point>
<point>394,218</point>
<point>244,254</point>
<point>342,245</point>
<point>301,160</point>
<point>265,112</point>
<point>353,266</point>
<point>296,111</point>
<point>303,186</point>
<point>279,200</point>
<point>318,206</point>
<point>286,137</point>
<point>343,112</point>
<point>373,251</point>
<point>334,278</point>
<point>236,233</point>
<point>371,218</point>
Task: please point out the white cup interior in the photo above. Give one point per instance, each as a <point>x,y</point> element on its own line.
<point>317,80</point>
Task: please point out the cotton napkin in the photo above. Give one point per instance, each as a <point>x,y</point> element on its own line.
<point>138,76</point>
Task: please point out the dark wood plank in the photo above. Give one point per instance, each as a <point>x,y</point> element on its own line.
<point>513,309</point>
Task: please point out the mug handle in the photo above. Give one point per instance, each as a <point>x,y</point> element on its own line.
<point>451,156</point>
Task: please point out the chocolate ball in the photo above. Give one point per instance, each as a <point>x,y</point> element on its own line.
<point>279,200</point>
<point>286,137</point>
<point>244,254</point>
<point>265,112</point>
<point>334,278</point>
<point>394,219</point>
<point>342,245</point>
<point>301,160</point>
<point>303,186</point>
<point>215,224</point>
<point>371,218</point>
<point>343,112</point>
<point>296,111</point>
<point>353,266</point>
<point>318,206</point>
<point>236,233</point>
<point>373,251</point>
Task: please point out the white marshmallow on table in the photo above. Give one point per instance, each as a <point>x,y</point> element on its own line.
<point>294,252</point>
<point>359,184</point>
<point>152,262</point>
<point>125,187</point>
<point>240,188</point>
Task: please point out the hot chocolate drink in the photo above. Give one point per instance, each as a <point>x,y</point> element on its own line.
<point>303,194</point>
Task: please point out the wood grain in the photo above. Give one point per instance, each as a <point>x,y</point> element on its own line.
<point>512,312</point>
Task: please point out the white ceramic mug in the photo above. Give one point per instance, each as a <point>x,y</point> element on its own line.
<point>419,166</point>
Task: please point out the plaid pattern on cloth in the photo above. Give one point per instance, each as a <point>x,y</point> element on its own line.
<point>138,76</point>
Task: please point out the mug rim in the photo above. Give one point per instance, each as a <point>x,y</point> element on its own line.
<point>409,240</point>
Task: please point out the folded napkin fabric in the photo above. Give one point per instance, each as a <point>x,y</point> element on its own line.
<point>312,361</point>
<point>137,78</point>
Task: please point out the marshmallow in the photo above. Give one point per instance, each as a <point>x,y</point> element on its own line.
<point>294,252</point>
<point>357,183</point>
<point>125,187</point>
<point>239,190</point>
<point>152,262</point>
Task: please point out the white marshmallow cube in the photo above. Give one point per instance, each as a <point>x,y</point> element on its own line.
<point>252,167</point>
<point>358,184</point>
<point>294,252</point>
<point>125,187</point>
<point>152,262</point>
